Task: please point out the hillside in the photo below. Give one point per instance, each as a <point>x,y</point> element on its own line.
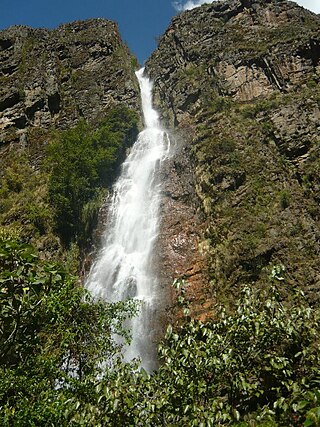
<point>239,82</point>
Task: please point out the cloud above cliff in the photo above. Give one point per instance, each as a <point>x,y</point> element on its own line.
<point>313,5</point>
<point>190,4</point>
<point>180,5</point>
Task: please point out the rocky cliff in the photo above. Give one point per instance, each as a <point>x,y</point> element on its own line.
<point>51,78</point>
<point>239,81</point>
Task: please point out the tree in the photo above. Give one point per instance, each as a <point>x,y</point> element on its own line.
<point>54,338</point>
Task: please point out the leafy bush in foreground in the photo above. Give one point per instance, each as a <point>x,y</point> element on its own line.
<point>256,366</point>
<point>53,337</point>
<point>263,360</point>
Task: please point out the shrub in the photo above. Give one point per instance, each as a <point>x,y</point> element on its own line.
<point>285,198</point>
<point>262,360</point>
<point>257,366</point>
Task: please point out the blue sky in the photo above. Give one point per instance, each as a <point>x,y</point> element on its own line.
<point>140,21</point>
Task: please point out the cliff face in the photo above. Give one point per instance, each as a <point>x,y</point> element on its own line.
<point>240,81</point>
<point>52,78</point>
<point>49,80</point>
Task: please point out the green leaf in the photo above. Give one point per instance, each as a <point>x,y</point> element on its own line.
<point>302,404</point>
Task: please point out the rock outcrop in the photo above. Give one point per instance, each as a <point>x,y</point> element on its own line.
<point>51,78</point>
<point>239,80</point>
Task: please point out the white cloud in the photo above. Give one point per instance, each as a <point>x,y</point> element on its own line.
<point>313,5</point>
<point>180,5</point>
<point>190,4</point>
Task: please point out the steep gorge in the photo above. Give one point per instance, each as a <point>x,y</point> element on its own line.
<point>237,85</point>
<point>237,81</point>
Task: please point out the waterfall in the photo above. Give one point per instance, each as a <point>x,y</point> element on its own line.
<point>124,268</point>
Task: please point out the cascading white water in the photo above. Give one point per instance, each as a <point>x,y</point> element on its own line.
<point>125,266</point>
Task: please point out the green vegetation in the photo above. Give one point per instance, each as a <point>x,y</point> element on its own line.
<point>285,199</point>
<point>27,59</point>
<point>61,195</point>
<point>262,40</point>
<point>217,104</point>
<point>250,111</point>
<point>251,200</point>
<point>134,63</point>
<point>23,201</point>
<point>257,365</point>
<point>53,337</point>
<point>84,160</point>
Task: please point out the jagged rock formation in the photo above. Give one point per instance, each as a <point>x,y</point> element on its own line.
<point>240,81</point>
<point>52,78</point>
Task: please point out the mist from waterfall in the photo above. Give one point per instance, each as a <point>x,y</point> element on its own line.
<point>125,266</point>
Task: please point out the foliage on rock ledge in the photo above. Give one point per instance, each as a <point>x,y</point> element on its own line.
<point>255,191</point>
<point>59,195</point>
<point>84,160</point>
